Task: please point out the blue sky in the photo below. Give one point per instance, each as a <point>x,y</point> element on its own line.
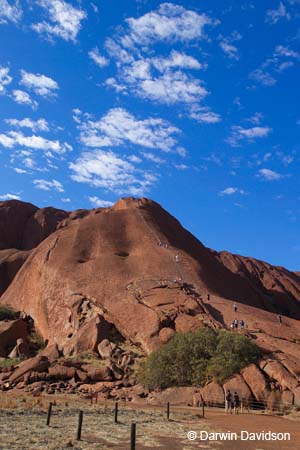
<point>194,104</point>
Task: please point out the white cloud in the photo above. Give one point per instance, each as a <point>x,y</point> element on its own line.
<point>274,15</point>
<point>4,197</point>
<point>151,157</point>
<point>98,203</point>
<point>181,166</point>
<point>172,87</point>
<point>176,60</point>
<point>263,77</point>
<point>231,191</point>
<point>16,138</point>
<point>230,50</point>
<point>269,175</point>
<point>119,127</point>
<point>5,78</point>
<point>20,171</point>
<point>23,98</point>
<point>34,125</point>
<point>205,116</point>
<point>46,185</point>
<point>168,23</point>
<point>239,133</point>
<point>65,20</point>
<point>108,170</point>
<point>66,200</point>
<point>10,12</point>
<point>98,59</point>
<point>40,84</point>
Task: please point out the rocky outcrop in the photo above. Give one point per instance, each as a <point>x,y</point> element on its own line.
<point>92,279</point>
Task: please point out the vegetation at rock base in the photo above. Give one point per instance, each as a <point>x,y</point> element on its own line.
<point>194,358</point>
<point>8,362</point>
<point>7,313</point>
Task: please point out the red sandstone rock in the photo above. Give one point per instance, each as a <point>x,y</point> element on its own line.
<point>107,265</point>
<point>37,364</point>
<point>256,381</point>
<point>213,394</point>
<point>237,384</point>
<point>174,395</point>
<point>97,373</point>
<point>166,334</point>
<point>10,331</point>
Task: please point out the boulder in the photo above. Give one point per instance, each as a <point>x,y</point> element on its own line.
<point>275,370</point>
<point>237,384</point>
<point>184,323</point>
<point>10,332</point>
<point>37,364</point>
<point>173,395</point>
<point>213,394</point>
<point>51,352</point>
<point>287,398</point>
<point>97,373</point>
<point>256,382</point>
<point>197,399</point>
<point>106,348</point>
<point>60,372</point>
<point>166,334</point>
<point>20,350</point>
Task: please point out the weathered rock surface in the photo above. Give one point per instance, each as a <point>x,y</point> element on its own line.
<point>213,394</point>
<point>132,272</point>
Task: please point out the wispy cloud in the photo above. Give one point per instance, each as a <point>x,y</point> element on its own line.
<point>240,134</point>
<point>274,15</point>
<point>231,191</point>
<point>99,203</point>
<point>64,20</point>
<point>10,12</point>
<point>5,78</point>
<point>40,84</point>
<point>47,185</point>
<point>269,175</point>
<point>106,169</point>
<point>14,139</point>
<point>23,98</point>
<point>119,127</point>
<point>98,59</point>
<point>170,23</point>
<point>4,197</point>
<point>34,125</point>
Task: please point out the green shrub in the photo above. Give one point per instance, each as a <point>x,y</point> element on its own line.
<point>192,359</point>
<point>7,362</point>
<point>37,339</point>
<point>7,313</point>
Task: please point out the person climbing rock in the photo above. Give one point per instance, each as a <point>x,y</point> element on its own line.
<point>235,307</point>
<point>208,297</point>
<point>177,258</point>
<point>242,324</point>
<point>236,324</point>
<point>279,318</point>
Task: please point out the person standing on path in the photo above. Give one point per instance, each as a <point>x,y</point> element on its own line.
<point>236,403</point>
<point>228,399</point>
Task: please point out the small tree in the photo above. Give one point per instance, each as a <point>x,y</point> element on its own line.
<point>192,359</point>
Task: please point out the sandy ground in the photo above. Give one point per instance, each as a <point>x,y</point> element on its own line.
<point>23,427</point>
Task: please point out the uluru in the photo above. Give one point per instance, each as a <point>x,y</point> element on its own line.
<point>95,280</point>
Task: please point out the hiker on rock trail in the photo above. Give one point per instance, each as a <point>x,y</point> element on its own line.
<point>235,307</point>
<point>279,318</point>
<point>177,258</point>
<point>242,324</point>
<point>235,324</point>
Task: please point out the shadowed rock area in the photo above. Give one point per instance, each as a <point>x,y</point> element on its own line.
<point>132,274</point>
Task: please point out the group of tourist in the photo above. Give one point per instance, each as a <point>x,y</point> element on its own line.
<point>232,402</point>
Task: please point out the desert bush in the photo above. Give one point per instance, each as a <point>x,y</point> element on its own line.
<point>7,313</point>
<point>194,358</point>
<point>36,339</point>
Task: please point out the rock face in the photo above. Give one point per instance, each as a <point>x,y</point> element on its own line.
<point>132,272</point>
<point>10,332</point>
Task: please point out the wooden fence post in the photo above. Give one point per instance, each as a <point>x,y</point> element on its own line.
<point>49,414</point>
<point>79,428</point>
<point>133,436</point>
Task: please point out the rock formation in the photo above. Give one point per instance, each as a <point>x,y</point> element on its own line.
<point>131,273</point>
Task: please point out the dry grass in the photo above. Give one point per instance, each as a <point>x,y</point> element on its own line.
<point>23,426</point>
